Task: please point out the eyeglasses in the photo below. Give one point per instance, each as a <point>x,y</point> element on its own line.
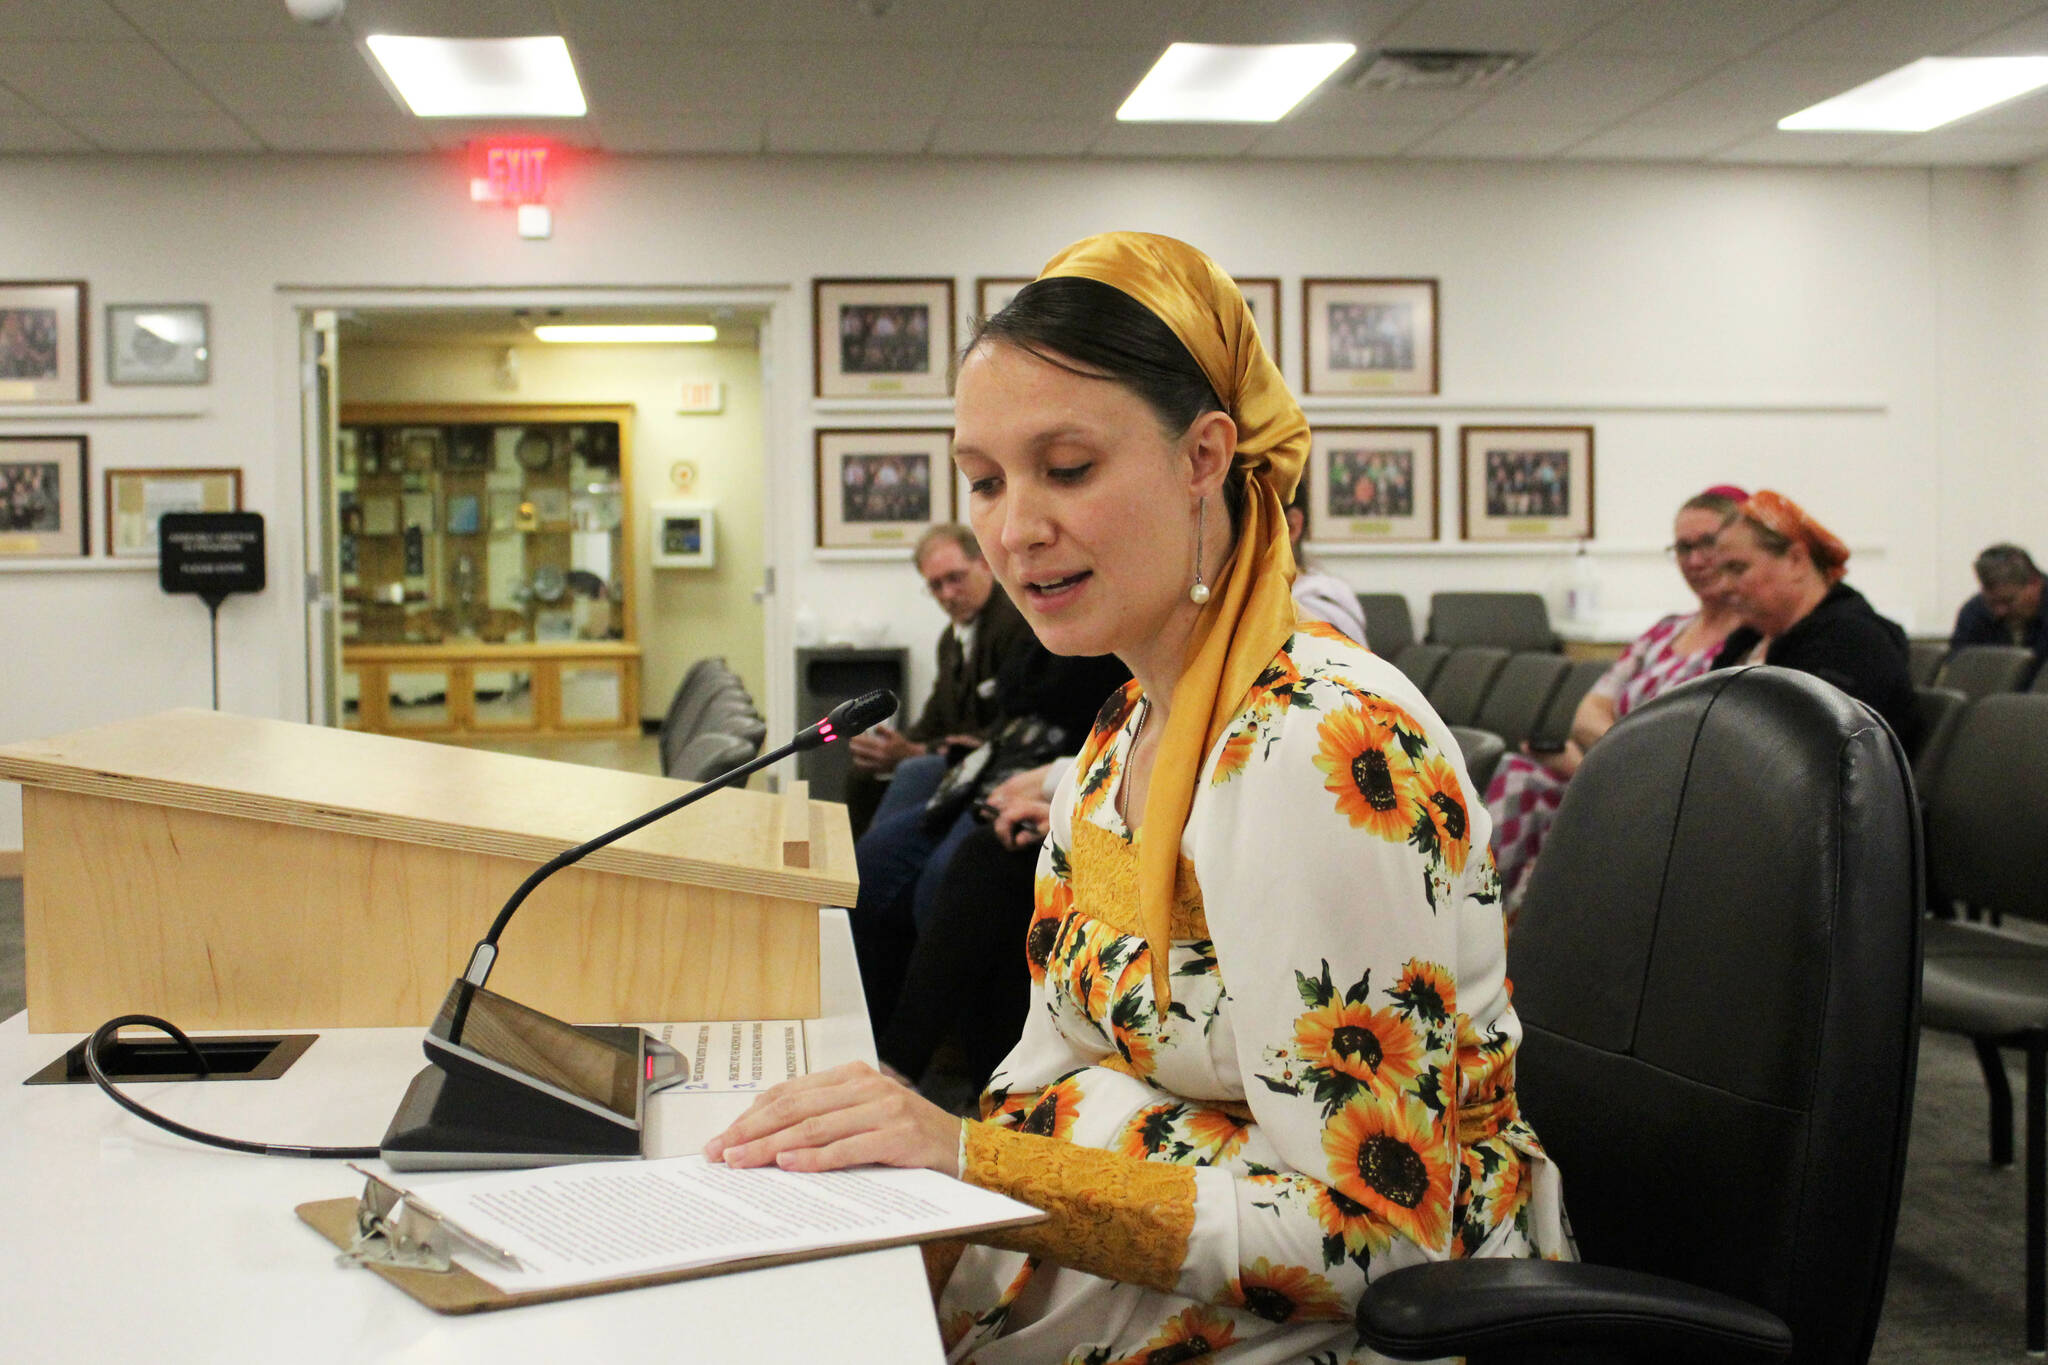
<point>1681,548</point>
<point>940,583</point>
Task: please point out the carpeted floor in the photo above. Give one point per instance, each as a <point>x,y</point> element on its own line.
<point>1956,1292</point>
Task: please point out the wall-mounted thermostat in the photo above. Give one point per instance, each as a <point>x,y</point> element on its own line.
<point>682,535</point>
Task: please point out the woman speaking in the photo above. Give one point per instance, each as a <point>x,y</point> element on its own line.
<point>1270,1052</point>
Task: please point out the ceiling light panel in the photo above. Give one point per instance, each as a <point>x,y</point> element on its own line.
<point>1217,83</point>
<point>1922,95</point>
<point>482,77</point>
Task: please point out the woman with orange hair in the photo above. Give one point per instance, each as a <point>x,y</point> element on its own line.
<point>1785,570</point>
<point>1270,1051</point>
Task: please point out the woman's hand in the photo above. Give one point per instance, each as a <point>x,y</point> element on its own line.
<point>851,1115</point>
<point>1023,823</point>
<point>1564,762</point>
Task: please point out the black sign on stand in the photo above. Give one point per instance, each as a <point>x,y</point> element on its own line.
<point>211,554</point>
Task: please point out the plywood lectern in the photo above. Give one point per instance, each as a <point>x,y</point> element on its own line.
<point>226,872</point>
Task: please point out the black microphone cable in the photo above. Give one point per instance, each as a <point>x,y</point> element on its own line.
<point>99,1078</point>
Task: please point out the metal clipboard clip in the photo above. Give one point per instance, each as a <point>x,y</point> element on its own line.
<point>394,1227</point>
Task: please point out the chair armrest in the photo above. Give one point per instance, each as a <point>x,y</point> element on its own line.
<point>1494,1307</point>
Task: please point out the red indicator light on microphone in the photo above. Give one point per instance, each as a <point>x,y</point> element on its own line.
<point>650,1068</point>
<point>825,729</point>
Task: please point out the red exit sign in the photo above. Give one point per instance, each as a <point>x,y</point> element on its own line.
<point>509,172</point>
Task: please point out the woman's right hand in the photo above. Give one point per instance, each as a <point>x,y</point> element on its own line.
<point>1022,823</point>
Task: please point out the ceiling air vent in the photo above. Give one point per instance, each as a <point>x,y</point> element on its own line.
<point>1435,69</point>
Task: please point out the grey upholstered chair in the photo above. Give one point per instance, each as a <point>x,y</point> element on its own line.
<point>1941,708</point>
<point>1718,1051</point>
<point>1483,752</point>
<point>1978,671</point>
<point>1987,849</point>
<point>1520,695</point>
<point>1460,686</point>
<point>1389,628</point>
<point>1419,662</point>
<point>1511,620</point>
<point>1564,704</point>
<point>1926,660</point>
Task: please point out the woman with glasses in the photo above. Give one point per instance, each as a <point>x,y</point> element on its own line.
<point>1528,787</point>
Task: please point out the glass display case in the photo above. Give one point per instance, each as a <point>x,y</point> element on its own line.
<point>485,569</point>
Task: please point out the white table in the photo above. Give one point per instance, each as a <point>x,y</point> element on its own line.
<point>126,1243</point>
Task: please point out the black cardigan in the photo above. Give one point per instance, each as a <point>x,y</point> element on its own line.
<point>1845,642</point>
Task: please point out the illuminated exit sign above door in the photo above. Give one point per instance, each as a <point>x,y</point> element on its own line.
<point>510,171</point>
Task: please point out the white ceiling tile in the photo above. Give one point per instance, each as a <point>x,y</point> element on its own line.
<point>32,133</point>
<point>452,134</point>
<point>650,82</point>
<point>338,132</point>
<point>1761,90</point>
<point>1963,147</point>
<point>214,132</point>
<point>1594,90</point>
<point>1014,137</point>
<point>1294,21</point>
<point>1345,103</point>
<point>1633,141</point>
<point>2027,38</point>
<point>44,20</point>
<point>1058,83</point>
<point>452,18</point>
<point>1808,149</point>
<point>14,106</point>
<point>98,78</point>
<point>1507,141</point>
<point>1899,31</point>
<point>1699,28</point>
<point>1494,25</point>
<point>1090,23</point>
<point>685,134</point>
<point>247,77</point>
<point>254,20</point>
<point>893,84</point>
<point>1178,139</point>
<point>1343,140</point>
<point>881,136</point>
<point>905,23</point>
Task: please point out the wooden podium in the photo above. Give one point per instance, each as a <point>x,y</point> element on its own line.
<point>226,872</point>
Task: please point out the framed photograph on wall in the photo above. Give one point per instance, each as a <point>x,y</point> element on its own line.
<point>1372,485</point>
<point>992,293</point>
<point>136,499</point>
<point>42,341</point>
<point>43,497</point>
<point>881,488</point>
<point>1262,294</point>
<point>883,338</point>
<point>1368,337</point>
<point>1526,483</point>
<point>157,343</point>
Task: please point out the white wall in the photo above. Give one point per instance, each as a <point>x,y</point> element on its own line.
<point>1835,333</point>
<point>2024,470</point>
<point>682,614</point>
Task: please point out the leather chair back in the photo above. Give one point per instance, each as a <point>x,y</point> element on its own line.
<point>1419,662</point>
<point>1978,671</point>
<point>2040,680</point>
<point>1925,658</point>
<point>1460,686</point>
<point>1940,709</point>
<point>1519,695</point>
<point>1987,807</point>
<point>1717,966</point>
<point>1557,717</point>
<point>1511,620</point>
<point>1483,751</point>
<point>1389,628</point>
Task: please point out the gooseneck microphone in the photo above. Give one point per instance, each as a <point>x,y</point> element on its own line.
<point>844,721</point>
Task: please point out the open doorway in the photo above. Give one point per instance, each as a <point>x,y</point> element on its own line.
<point>529,542</point>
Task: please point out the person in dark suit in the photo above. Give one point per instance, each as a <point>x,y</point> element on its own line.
<point>983,632</point>
<point>2009,610</point>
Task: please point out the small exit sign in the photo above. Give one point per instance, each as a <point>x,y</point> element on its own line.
<point>503,171</point>
<point>702,395</point>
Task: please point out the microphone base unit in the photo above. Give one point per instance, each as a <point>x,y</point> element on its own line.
<point>469,1122</point>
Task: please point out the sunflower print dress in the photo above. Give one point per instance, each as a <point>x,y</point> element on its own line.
<point>1329,1094</point>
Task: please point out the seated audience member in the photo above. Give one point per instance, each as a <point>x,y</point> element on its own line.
<point>1785,570</point>
<point>2009,611</point>
<point>1528,787</point>
<point>1322,596</point>
<point>984,631</point>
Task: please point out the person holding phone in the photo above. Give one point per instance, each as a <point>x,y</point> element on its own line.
<point>1528,787</point>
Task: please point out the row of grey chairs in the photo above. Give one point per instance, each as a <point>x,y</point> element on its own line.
<point>1509,620</point>
<point>1976,670</point>
<point>1493,698</point>
<point>712,723</point>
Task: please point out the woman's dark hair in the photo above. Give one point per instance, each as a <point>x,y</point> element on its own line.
<point>1096,330</point>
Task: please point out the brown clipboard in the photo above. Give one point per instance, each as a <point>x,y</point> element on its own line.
<point>458,1291</point>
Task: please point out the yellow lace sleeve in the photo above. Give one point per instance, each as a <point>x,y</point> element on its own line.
<point>1110,1215</point>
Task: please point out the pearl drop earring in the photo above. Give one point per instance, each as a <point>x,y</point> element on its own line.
<point>1199,593</point>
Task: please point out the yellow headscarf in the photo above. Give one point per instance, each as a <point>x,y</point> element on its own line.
<point>1250,612</point>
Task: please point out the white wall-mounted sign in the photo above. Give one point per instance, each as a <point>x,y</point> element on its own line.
<point>702,395</point>
<point>681,535</point>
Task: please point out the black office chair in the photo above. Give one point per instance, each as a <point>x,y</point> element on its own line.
<point>1520,695</point>
<point>1940,710</point>
<point>1511,620</point>
<point>1460,686</point>
<point>1419,662</point>
<point>1926,660</point>
<point>1389,628</point>
<point>1987,849</point>
<point>1717,970</point>
<point>1483,751</point>
<point>1978,671</point>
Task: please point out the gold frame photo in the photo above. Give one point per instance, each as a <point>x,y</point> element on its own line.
<point>1370,338</point>
<point>1526,483</point>
<point>890,338</point>
<point>993,292</point>
<point>43,355</point>
<point>1373,485</point>
<point>868,485</point>
<point>136,499</point>
<point>44,497</point>
<point>1262,294</point>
